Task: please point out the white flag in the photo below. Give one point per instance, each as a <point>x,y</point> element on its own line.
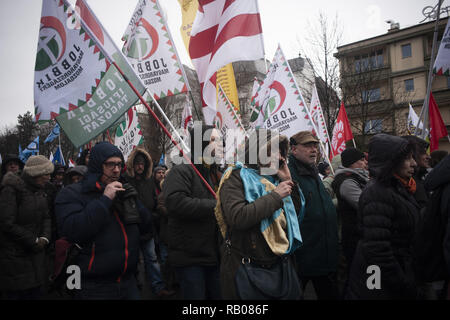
<point>315,109</point>
<point>128,133</point>
<point>186,118</point>
<point>442,62</point>
<point>413,120</point>
<point>281,104</point>
<point>151,51</point>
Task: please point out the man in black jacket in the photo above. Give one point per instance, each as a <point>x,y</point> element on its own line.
<point>192,230</point>
<point>103,216</point>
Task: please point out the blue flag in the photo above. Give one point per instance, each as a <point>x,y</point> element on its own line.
<point>31,150</point>
<point>162,161</point>
<point>58,157</point>
<point>54,134</point>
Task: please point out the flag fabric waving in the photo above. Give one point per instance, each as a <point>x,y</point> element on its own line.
<point>31,150</point>
<point>54,134</point>
<point>413,120</point>
<point>442,62</point>
<point>341,133</point>
<point>58,157</point>
<point>111,95</point>
<point>128,133</point>
<point>186,117</point>
<point>280,104</point>
<point>68,65</point>
<point>221,30</point>
<point>152,53</point>
<point>437,126</point>
<point>315,109</point>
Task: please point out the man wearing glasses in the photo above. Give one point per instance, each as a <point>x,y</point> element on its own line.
<point>103,216</point>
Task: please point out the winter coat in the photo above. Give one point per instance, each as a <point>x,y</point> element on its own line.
<point>110,247</point>
<point>319,253</point>
<point>23,218</point>
<point>388,214</point>
<point>144,185</point>
<point>348,185</point>
<point>439,177</point>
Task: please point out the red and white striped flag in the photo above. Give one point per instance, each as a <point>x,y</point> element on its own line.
<point>224,31</point>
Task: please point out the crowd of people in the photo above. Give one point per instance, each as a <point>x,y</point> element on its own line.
<point>261,228</point>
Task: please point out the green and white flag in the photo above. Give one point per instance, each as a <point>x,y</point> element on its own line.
<point>152,53</point>
<point>442,63</point>
<point>111,96</point>
<point>128,133</point>
<point>279,104</point>
<point>68,64</point>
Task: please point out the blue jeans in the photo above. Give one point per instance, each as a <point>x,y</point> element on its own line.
<point>152,267</point>
<point>199,283</point>
<point>126,289</point>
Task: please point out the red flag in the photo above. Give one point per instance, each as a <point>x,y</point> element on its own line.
<point>341,132</point>
<point>437,126</point>
<point>221,31</point>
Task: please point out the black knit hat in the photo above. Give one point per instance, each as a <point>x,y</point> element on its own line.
<point>350,156</point>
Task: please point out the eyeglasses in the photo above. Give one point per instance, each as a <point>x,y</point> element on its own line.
<point>111,165</point>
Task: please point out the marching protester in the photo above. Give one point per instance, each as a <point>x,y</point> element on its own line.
<point>139,175</point>
<point>83,158</point>
<point>248,199</point>
<point>24,230</point>
<point>328,180</point>
<point>75,174</point>
<point>318,257</point>
<point>192,229</point>
<point>104,217</point>
<point>324,170</point>
<point>388,215</point>
<point>11,163</point>
<point>349,182</point>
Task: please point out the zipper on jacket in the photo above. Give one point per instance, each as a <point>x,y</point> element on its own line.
<point>91,262</point>
<point>126,245</point>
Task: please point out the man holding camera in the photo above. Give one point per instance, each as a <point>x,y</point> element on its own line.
<point>103,216</point>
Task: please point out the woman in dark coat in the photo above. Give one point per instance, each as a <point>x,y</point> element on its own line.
<point>24,230</point>
<point>383,265</point>
<point>240,218</point>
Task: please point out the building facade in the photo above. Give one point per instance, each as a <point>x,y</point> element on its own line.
<point>382,75</point>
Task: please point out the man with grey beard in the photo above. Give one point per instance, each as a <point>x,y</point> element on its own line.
<point>317,258</point>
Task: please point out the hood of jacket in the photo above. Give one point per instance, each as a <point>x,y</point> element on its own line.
<point>385,153</point>
<point>360,172</point>
<point>439,175</point>
<point>13,180</point>
<point>148,162</point>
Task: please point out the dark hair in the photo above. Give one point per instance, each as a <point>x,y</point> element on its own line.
<point>406,151</point>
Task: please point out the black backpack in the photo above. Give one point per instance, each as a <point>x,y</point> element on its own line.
<point>432,226</point>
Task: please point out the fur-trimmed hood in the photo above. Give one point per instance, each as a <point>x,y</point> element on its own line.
<point>148,162</point>
<point>13,180</point>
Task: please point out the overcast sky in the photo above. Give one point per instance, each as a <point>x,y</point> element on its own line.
<point>283,21</point>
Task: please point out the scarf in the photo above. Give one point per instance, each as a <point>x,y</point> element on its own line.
<point>281,231</point>
<point>410,185</point>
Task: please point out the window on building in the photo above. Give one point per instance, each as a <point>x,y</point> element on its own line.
<point>409,85</point>
<point>371,95</point>
<point>368,62</point>
<point>373,126</point>
<point>406,51</point>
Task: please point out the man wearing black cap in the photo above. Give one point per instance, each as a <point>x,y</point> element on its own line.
<point>103,216</point>
<point>317,258</point>
<point>12,163</point>
<point>349,182</point>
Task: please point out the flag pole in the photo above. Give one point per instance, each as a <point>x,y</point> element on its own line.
<point>424,111</point>
<point>108,56</point>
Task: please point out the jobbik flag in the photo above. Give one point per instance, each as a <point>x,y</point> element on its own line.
<point>150,49</point>
<point>230,125</point>
<point>341,133</point>
<point>315,109</point>
<point>92,94</point>
<point>223,32</point>
<point>186,118</point>
<point>128,133</point>
<point>279,104</point>
<point>442,62</point>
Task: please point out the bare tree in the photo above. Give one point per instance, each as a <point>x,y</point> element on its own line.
<point>321,40</point>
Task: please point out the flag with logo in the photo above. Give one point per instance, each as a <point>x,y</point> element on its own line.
<point>315,109</point>
<point>186,117</point>
<point>31,150</point>
<point>128,133</point>
<point>58,157</point>
<point>111,95</point>
<point>437,126</point>
<point>341,133</point>
<point>152,53</point>
<point>230,125</point>
<point>280,104</point>
<point>54,134</point>
<point>220,32</point>
<point>442,62</point>
<point>256,117</point>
